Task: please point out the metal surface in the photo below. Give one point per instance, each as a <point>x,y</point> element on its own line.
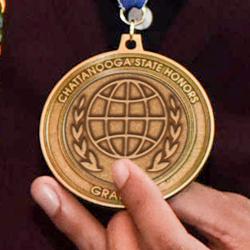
<point>137,14</point>
<point>127,103</point>
<point>136,22</point>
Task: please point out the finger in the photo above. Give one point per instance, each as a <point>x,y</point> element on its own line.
<point>153,217</point>
<point>216,214</point>
<point>122,233</point>
<point>68,214</point>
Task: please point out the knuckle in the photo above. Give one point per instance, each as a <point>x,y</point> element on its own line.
<point>162,242</point>
<point>228,242</point>
<point>238,202</point>
<point>219,199</point>
<point>163,245</point>
<point>117,219</point>
<point>238,198</point>
<point>226,201</point>
<point>97,242</point>
<point>220,196</point>
<point>235,207</point>
<point>95,246</point>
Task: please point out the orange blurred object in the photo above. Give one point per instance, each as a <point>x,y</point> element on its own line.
<point>2,10</point>
<point>3,5</point>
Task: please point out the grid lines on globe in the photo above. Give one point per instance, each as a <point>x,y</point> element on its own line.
<point>126,118</point>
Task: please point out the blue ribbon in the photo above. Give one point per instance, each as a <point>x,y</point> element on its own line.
<point>128,4</point>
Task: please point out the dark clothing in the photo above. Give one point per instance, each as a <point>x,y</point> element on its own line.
<point>44,39</point>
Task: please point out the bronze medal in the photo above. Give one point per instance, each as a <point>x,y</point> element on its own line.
<point>128,103</point>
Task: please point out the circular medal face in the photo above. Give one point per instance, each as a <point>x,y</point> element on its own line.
<point>131,104</point>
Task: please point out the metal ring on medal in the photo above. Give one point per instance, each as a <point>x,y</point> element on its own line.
<point>132,104</point>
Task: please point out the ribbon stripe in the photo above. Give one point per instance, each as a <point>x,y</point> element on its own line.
<point>128,4</point>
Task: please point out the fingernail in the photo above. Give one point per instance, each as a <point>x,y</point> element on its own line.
<point>120,173</point>
<point>47,199</point>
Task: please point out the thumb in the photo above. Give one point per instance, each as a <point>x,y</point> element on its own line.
<point>154,218</point>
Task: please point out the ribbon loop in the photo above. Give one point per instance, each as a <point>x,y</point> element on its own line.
<point>129,4</point>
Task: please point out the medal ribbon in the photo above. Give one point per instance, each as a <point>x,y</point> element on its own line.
<point>129,4</point>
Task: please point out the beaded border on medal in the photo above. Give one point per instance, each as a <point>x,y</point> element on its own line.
<point>2,11</point>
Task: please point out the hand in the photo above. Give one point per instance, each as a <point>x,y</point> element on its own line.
<point>150,222</point>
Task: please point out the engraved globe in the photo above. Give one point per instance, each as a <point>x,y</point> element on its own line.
<point>126,118</point>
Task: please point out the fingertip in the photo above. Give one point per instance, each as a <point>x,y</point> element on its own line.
<point>120,173</point>
<point>44,193</point>
<point>42,180</point>
<point>69,216</point>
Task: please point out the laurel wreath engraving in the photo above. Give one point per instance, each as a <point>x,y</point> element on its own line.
<point>162,159</point>
<point>88,159</point>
